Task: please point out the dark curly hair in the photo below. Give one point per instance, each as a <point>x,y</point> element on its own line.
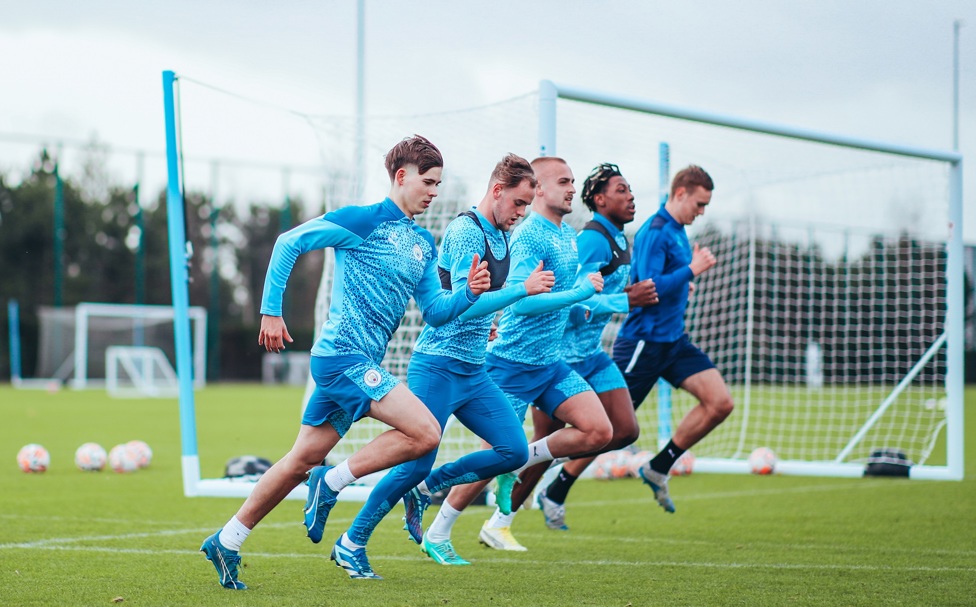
<point>596,182</point>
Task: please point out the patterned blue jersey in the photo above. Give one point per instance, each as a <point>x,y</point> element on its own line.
<point>382,259</point>
<point>530,331</point>
<point>465,338</point>
<point>582,340</point>
<point>661,252</point>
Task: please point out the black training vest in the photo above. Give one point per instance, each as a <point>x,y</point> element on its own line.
<point>498,268</point>
<point>620,256</point>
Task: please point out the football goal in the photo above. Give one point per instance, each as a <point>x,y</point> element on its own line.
<point>75,341</point>
<point>835,312</point>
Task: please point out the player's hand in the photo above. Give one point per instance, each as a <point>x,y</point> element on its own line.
<point>701,260</point>
<point>597,280</point>
<point>640,294</point>
<point>539,281</point>
<point>479,279</point>
<point>493,333</point>
<point>273,334</point>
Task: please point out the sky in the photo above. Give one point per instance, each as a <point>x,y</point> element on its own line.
<point>881,70</point>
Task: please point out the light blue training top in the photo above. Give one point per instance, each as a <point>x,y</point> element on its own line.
<point>382,259</point>
<point>583,336</point>
<point>530,330</point>
<point>466,337</point>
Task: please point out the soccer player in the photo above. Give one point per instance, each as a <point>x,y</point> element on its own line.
<point>525,361</point>
<point>383,258</point>
<point>447,371</point>
<point>602,247</point>
<point>652,342</point>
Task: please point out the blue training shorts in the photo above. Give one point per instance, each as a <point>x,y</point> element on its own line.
<point>345,388</point>
<point>600,372</point>
<point>546,387</point>
<point>644,362</point>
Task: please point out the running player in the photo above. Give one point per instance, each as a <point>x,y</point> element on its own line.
<point>652,342</point>
<point>383,258</point>
<point>447,370</point>
<point>525,360</point>
<point>602,247</point>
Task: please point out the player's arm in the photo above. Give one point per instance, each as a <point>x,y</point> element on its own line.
<point>650,263</point>
<point>539,281</point>
<point>587,284</point>
<point>595,253</point>
<point>313,234</point>
<point>439,306</point>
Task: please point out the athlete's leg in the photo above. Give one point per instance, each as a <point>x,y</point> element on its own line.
<point>310,448</point>
<point>542,426</point>
<point>714,405</point>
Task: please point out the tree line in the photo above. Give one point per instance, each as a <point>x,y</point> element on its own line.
<point>101,260</point>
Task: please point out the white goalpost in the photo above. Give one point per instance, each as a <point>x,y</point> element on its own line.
<point>835,313</point>
<point>836,310</point>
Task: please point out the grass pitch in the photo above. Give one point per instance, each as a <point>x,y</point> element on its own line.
<point>74,538</point>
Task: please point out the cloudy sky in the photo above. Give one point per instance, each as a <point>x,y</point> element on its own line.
<point>73,71</point>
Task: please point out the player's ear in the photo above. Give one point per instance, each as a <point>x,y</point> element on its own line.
<point>400,174</point>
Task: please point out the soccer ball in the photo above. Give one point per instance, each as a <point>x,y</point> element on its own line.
<point>762,461</point>
<point>684,465</point>
<point>143,452</point>
<point>122,458</point>
<point>90,457</point>
<point>33,458</point>
<point>608,466</point>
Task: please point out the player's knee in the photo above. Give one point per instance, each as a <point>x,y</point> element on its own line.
<point>514,455</point>
<point>599,436</point>
<point>429,439</point>
<point>624,437</point>
<point>722,408</point>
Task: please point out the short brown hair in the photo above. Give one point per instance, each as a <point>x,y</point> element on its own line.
<point>541,160</point>
<point>416,150</point>
<point>689,177</point>
<point>513,170</point>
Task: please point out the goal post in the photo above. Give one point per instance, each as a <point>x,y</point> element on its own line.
<point>895,296</point>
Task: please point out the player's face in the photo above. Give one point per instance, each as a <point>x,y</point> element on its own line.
<point>617,202</point>
<point>556,182</point>
<point>691,204</point>
<point>418,190</point>
<point>511,204</point>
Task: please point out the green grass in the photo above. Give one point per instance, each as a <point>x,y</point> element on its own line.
<point>74,538</point>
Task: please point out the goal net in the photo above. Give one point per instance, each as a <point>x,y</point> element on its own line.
<point>829,311</point>
<point>75,341</point>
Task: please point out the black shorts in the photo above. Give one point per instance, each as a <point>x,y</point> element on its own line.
<point>644,362</point>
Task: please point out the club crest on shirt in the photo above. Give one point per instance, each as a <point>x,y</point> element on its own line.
<point>418,253</point>
<point>372,378</point>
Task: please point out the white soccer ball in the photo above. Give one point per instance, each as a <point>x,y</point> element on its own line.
<point>143,452</point>
<point>123,458</point>
<point>33,458</point>
<point>762,461</point>
<point>90,457</point>
<point>684,465</point>
<point>603,466</point>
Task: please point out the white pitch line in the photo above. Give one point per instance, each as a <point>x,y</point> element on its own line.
<point>54,541</point>
<point>562,562</point>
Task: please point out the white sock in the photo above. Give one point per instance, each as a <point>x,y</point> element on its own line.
<point>499,520</point>
<point>233,534</point>
<point>538,453</point>
<point>348,543</point>
<point>339,477</point>
<point>440,530</point>
<point>422,487</point>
